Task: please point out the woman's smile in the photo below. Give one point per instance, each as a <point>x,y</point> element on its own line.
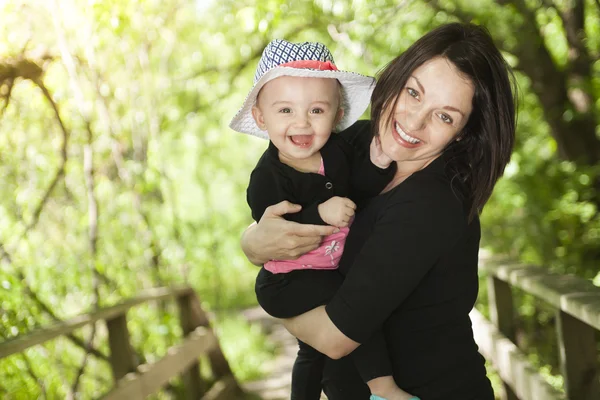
<point>404,139</point>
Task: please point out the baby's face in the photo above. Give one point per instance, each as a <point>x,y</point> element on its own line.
<point>298,114</point>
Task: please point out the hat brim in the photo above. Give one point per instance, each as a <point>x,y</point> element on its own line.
<point>356,89</point>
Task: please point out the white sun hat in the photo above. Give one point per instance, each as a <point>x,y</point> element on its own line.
<point>310,60</point>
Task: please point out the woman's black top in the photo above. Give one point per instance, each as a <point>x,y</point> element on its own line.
<point>410,266</point>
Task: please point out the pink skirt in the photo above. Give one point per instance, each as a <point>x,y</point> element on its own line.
<point>326,256</point>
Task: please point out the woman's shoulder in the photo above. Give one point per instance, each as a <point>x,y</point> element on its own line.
<point>428,193</point>
<point>433,187</point>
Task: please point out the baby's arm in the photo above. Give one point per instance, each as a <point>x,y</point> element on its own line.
<point>337,211</point>
<point>267,187</point>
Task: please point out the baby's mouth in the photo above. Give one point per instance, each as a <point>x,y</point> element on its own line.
<point>302,140</point>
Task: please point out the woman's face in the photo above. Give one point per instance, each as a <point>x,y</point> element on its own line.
<point>431,110</point>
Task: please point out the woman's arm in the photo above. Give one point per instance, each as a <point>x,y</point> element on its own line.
<point>403,246</point>
<point>274,238</point>
<point>315,328</point>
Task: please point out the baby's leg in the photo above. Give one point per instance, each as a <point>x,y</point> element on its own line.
<point>294,293</point>
<point>291,294</point>
<point>385,388</point>
<point>374,366</point>
<point>307,373</point>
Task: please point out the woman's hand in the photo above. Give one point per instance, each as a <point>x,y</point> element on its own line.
<point>274,238</point>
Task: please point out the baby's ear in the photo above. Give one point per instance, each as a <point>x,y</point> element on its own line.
<point>339,116</point>
<point>258,117</point>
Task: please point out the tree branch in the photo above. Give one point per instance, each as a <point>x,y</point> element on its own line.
<point>88,170</point>
<point>81,369</point>
<point>549,83</point>
<point>113,128</point>
<point>31,372</point>
<point>549,4</point>
<point>235,70</point>
<point>89,175</point>
<point>45,308</point>
<point>29,69</point>
<point>340,35</point>
<point>10,83</point>
<point>34,376</point>
<point>61,167</point>
<point>573,20</point>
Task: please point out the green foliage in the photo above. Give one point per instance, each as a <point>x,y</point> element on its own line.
<point>544,211</point>
<point>148,88</point>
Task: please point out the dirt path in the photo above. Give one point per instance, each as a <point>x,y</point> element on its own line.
<point>276,385</point>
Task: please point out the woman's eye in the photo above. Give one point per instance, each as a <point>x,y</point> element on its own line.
<point>285,110</point>
<point>446,118</point>
<point>413,93</point>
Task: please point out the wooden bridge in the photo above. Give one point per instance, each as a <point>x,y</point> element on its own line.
<point>133,381</point>
<point>576,301</point>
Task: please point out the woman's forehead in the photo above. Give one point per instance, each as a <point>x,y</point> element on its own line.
<point>442,83</point>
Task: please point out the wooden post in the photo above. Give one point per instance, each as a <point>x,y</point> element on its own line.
<point>122,357</point>
<point>500,300</point>
<point>578,357</point>
<point>218,362</point>
<point>191,378</point>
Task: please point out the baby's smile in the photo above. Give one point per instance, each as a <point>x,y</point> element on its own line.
<point>302,140</point>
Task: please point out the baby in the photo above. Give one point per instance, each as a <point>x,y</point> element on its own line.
<point>299,97</point>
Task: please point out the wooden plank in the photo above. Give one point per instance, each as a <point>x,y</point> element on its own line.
<point>122,357</point>
<point>224,389</point>
<point>151,378</point>
<point>43,335</point>
<point>218,363</point>
<point>510,363</point>
<point>500,300</point>
<point>573,295</point>
<point>191,378</point>
<point>579,357</point>
<point>128,388</point>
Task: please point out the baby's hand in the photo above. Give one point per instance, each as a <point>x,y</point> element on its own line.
<point>337,211</point>
<point>378,157</point>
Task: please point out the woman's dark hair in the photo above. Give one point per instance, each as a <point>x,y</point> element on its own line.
<point>478,159</point>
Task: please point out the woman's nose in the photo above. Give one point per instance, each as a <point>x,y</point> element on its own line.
<point>415,120</point>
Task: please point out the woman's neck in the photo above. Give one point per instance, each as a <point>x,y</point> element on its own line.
<point>404,169</point>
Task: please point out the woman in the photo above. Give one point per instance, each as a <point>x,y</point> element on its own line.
<point>444,111</point>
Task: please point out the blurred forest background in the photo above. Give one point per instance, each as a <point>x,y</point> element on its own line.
<point>118,171</point>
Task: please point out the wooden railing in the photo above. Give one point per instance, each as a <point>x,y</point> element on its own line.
<point>133,381</point>
<point>577,304</point>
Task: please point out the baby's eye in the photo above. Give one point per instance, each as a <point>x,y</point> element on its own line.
<point>317,111</point>
<point>413,93</point>
<point>285,110</point>
<point>446,119</point>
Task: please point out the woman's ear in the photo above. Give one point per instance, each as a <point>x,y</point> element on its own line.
<point>258,118</point>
